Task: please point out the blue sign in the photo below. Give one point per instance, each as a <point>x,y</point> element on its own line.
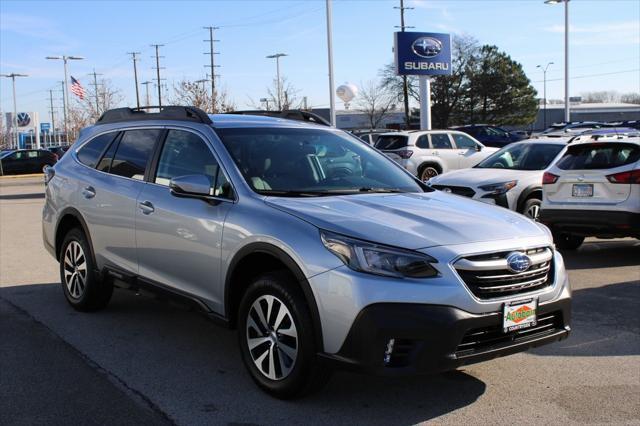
<point>45,127</point>
<point>422,53</point>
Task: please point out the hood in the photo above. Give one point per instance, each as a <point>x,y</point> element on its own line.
<point>412,221</point>
<point>476,176</point>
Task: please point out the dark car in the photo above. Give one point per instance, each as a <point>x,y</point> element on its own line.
<point>26,161</point>
<point>370,136</point>
<point>58,150</point>
<point>490,135</point>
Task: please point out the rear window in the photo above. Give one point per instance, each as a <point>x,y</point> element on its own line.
<point>391,142</point>
<point>599,156</point>
<point>91,151</point>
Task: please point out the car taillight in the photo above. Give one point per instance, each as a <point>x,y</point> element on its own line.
<point>404,154</point>
<point>632,176</point>
<point>549,178</point>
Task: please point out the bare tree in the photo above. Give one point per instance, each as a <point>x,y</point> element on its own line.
<point>630,98</point>
<point>5,137</point>
<point>375,101</point>
<point>84,112</point>
<point>600,97</point>
<point>194,93</point>
<point>289,95</point>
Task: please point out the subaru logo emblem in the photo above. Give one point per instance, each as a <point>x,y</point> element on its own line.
<point>427,47</point>
<point>23,119</point>
<point>518,262</point>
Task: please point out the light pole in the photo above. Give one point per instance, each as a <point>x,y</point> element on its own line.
<point>566,55</point>
<point>65,88</point>
<point>277,57</point>
<point>13,76</point>
<point>332,98</point>
<point>544,89</point>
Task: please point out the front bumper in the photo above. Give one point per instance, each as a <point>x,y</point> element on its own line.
<point>434,338</point>
<point>598,223</point>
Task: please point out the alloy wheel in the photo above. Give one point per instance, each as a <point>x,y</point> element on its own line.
<point>533,212</point>
<point>272,338</point>
<point>75,269</point>
<point>428,173</point>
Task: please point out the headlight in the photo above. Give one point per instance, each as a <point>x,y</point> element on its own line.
<point>499,188</point>
<point>379,260</point>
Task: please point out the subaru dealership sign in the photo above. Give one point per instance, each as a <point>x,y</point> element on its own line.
<point>422,53</point>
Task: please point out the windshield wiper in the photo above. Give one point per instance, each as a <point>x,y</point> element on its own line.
<point>384,190</point>
<point>293,193</point>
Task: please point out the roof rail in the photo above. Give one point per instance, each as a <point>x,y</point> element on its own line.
<point>179,113</point>
<point>291,114</point>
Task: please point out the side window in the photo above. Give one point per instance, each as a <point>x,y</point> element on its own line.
<point>104,165</point>
<point>423,142</point>
<point>133,153</point>
<point>440,141</point>
<point>185,153</point>
<point>32,154</point>
<point>463,141</point>
<point>20,155</point>
<point>91,151</point>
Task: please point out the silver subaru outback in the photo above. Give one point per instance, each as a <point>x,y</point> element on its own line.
<point>317,248</point>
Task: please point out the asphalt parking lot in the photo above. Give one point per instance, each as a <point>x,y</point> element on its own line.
<point>144,360</point>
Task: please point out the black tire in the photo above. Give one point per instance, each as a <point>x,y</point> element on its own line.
<point>567,241</point>
<point>307,373</point>
<point>531,208</point>
<point>427,171</point>
<point>91,293</point>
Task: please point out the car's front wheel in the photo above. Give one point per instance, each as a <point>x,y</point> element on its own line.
<point>277,338</point>
<point>531,208</point>
<point>83,287</point>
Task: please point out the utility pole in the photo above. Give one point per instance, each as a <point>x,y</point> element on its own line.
<point>95,89</point>
<point>544,90</point>
<point>277,57</point>
<point>146,86</point>
<point>65,86</point>
<point>405,84</point>
<point>135,74</point>
<point>332,95</point>
<point>158,80</point>
<point>212,65</point>
<point>13,76</point>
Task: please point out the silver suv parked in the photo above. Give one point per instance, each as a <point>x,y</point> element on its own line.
<point>321,251</point>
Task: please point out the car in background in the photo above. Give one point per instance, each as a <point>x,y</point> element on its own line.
<point>428,153</point>
<point>596,134</point>
<point>490,135</point>
<point>58,150</point>
<point>593,190</point>
<point>26,161</point>
<point>510,178</point>
<point>574,128</point>
<point>370,136</point>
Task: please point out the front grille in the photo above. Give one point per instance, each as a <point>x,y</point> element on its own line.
<point>480,339</point>
<point>487,276</point>
<point>458,190</point>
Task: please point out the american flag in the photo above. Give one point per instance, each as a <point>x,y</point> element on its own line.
<point>77,88</point>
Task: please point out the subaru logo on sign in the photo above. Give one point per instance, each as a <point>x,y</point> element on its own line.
<point>427,47</point>
<point>518,262</point>
<point>23,119</point>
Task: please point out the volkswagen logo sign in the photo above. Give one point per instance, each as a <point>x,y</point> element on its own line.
<point>427,47</point>
<point>23,119</point>
<point>518,262</point>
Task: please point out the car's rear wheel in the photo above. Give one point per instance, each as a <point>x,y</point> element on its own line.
<point>427,172</point>
<point>567,241</point>
<point>82,285</point>
<point>531,208</point>
<point>277,339</point>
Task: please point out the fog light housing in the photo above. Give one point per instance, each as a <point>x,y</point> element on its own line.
<point>389,351</point>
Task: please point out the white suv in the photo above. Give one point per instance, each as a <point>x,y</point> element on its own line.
<point>593,190</point>
<point>427,153</point>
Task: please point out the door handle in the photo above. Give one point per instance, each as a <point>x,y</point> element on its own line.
<point>88,192</point>
<point>146,207</point>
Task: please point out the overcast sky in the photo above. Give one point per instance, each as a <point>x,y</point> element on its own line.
<point>605,42</point>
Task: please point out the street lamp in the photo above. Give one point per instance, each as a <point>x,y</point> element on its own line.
<point>13,76</point>
<point>544,90</point>
<point>277,57</point>
<point>65,87</point>
<point>566,55</point>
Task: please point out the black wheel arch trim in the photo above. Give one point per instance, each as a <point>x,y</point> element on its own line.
<point>281,255</point>
<point>526,193</point>
<point>72,211</point>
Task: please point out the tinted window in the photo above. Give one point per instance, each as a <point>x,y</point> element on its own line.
<point>32,154</point>
<point>440,141</point>
<point>133,153</point>
<point>463,141</point>
<point>91,151</point>
<point>185,153</point>
<point>522,156</point>
<point>391,142</point>
<point>423,142</point>
<point>105,162</point>
<point>599,156</point>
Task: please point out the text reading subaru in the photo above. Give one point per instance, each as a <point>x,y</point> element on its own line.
<point>320,250</point>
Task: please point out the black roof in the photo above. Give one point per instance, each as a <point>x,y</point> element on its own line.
<point>179,113</point>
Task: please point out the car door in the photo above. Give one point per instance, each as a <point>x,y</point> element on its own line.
<point>10,163</point>
<point>469,151</point>
<point>443,148</point>
<point>109,191</point>
<point>178,238</point>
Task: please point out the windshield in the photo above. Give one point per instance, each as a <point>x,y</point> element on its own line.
<point>311,162</point>
<point>522,156</point>
<point>5,153</point>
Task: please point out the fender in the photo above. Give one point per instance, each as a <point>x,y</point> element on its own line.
<point>526,193</point>
<point>433,160</point>
<point>72,211</point>
<point>281,255</point>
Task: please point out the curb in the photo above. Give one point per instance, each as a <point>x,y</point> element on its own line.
<point>33,175</point>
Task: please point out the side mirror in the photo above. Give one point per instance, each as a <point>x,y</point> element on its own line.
<point>190,186</point>
<point>478,148</point>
